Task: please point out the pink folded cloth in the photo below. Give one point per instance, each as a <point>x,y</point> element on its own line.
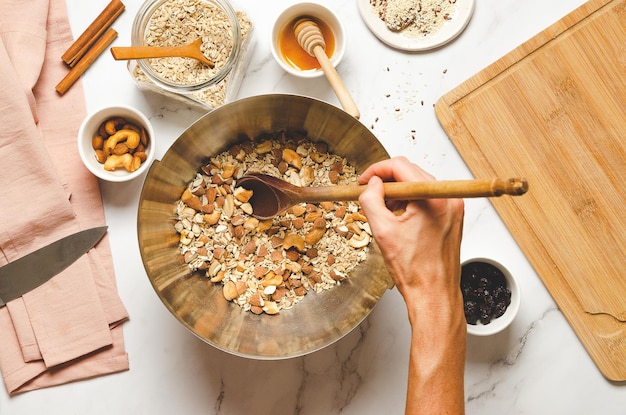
<point>68,328</point>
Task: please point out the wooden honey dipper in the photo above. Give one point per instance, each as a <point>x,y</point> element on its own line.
<point>310,38</point>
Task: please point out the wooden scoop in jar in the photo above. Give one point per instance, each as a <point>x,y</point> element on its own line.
<point>272,195</point>
<point>310,38</point>
<point>190,50</point>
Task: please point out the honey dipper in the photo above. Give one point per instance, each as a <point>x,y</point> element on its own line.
<point>310,38</point>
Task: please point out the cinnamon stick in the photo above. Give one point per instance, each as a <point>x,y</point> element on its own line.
<point>86,61</point>
<point>104,20</point>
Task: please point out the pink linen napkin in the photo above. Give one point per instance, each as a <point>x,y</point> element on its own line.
<point>67,329</point>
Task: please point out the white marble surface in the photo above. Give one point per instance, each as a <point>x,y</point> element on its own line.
<point>537,366</point>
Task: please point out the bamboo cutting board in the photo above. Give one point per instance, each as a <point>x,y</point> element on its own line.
<point>554,111</point>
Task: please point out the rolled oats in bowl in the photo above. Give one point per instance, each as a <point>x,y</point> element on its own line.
<point>226,33</point>
<point>268,266</point>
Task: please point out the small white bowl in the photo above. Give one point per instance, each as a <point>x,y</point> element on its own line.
<point>498,324</point>
<point>316,11</point>
<point>89,128</point>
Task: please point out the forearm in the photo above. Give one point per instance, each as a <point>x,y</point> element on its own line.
<point>420,241</point>
<point>437,358</point>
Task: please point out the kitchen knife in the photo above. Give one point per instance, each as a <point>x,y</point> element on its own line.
<point>30,271</point>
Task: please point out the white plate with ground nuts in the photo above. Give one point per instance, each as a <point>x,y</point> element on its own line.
<point>400,24</point>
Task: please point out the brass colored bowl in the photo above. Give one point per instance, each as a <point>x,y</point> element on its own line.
<point>319,319</point>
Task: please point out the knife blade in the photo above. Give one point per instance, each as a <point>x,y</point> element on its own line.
<point>30,271</point>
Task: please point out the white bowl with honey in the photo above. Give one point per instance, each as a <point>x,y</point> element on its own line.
<point>290,55</point>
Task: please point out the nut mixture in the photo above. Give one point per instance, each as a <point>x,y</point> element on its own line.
<point>267,266</point>
<point>414,18</point>
<point>178,22</point>
<point>120,144</point>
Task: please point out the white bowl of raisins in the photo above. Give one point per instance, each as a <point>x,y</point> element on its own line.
<point>491,296</point>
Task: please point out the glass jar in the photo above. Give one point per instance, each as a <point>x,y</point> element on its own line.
<point>227,36</point>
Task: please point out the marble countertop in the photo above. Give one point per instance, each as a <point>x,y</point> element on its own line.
<point>536,366</point>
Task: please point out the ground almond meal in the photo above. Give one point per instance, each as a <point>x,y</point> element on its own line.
<point>267,266</point>
<point>414,18</point>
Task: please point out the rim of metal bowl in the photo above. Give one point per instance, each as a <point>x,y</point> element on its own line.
<point>320,319</point>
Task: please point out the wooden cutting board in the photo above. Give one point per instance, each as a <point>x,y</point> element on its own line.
<point>554,111</point>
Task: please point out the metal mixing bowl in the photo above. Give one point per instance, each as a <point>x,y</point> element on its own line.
<point>321,318</point>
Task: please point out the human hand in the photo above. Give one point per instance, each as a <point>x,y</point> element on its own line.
<point>421,247</point>
<point>419,240</point>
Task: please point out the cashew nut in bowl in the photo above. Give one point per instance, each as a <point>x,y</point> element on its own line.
<point>127,161</point>
<point>100,156</point>
<point>131,138</point>
<point>113,124</point>
<point>141,131</point>
<point>116,131</point>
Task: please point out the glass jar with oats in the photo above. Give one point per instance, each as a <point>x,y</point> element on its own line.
<point>227,37</point>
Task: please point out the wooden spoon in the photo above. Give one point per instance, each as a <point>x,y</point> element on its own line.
<point>310,38</point>
<point>272,196</point>
<point>190,50</point>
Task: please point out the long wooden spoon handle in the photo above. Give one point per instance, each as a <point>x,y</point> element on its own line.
<point>190,50</point>
<point>455,189</point>
<point>144,52</point>
<point>423,190</point>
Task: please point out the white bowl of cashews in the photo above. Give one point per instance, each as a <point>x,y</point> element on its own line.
<point>116,143</point>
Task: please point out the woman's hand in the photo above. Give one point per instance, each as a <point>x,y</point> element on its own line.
<point>420,242</point>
